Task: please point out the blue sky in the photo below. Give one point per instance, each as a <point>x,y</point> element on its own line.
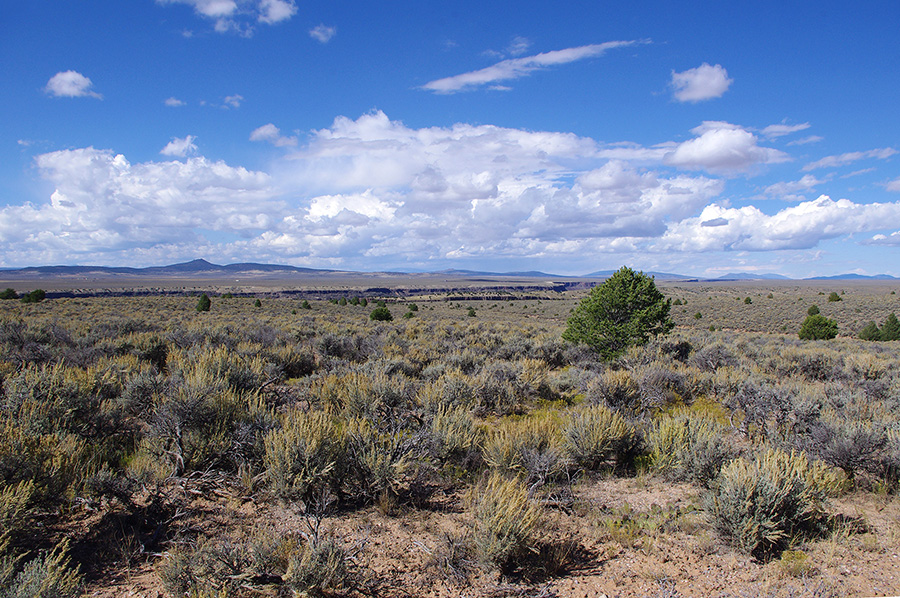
<point>567,137</point>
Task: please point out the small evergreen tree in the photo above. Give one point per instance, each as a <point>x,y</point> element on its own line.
<point>257,303</point>
<point>890,330</point>
<point>305,305</point>
<point>363,301</point>
<point>413,307</point>
<point>748,300</point>
<point>834,297</point>
<point>818,327</point>
<point>813,310</point>
<point>203,304</point>
<point>35,296</point>
<point>342,301</point>
<point>9,294</point>
<point>471,312</point>
<point>870,332</point>
<point>625,310</point>
<point>381,314</point>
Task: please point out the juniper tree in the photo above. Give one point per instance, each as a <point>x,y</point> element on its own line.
<point>625,310</point>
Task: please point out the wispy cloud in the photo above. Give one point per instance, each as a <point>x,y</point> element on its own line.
<point>179,148</point>
<point>780,130</point>
<point>850,157</point>
<point>515,68</point>
<point>233,101</point>
<point>71,84</point>
<point>518,46</point>
<point>322,33</point>
<point>173,102</point>
<point>792,190</point>
<point>702,83</point>
<point>807,140</point>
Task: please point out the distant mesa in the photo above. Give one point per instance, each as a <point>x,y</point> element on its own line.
<point>201,268</point>
<point>752,276</point>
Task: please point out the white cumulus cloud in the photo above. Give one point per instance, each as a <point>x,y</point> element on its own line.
<point>702,83</point>
<point>71,84</point>
<point>104,207</point>
<point>515,68</point>
<point>373,190</point>
<point>272,134</point>
<point>240,15</point>
<point>798,227</point>
<point>724,148</point>
<point>275,11</point>
<point>173,102</point>
<point>322,33</point>
<point>179,147</point>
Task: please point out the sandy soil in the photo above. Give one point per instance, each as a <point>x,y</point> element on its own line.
<point>618,537</point>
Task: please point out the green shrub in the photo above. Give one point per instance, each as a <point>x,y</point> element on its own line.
<point>813,310</point>
<point>763,505</point>
<point>505,519</point>
<point>46,576</point>
<point>689,447</point>
<point>304,455</point>
<point>455,433</point>
<point>381,314</point>
<point>35,296</point>
<point>617,389</point>
<point>14,503</point>
<point>818,327</point>
<point>748,300</point>
<point>319,568</point>
<point>531,447</point>
<point>9,294</point>
<point>595,434</point>
<point>377,461</point>
<point>834,297</point>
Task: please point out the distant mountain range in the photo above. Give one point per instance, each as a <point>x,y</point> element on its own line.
<point>203,268</point>
<point>752,276</point>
